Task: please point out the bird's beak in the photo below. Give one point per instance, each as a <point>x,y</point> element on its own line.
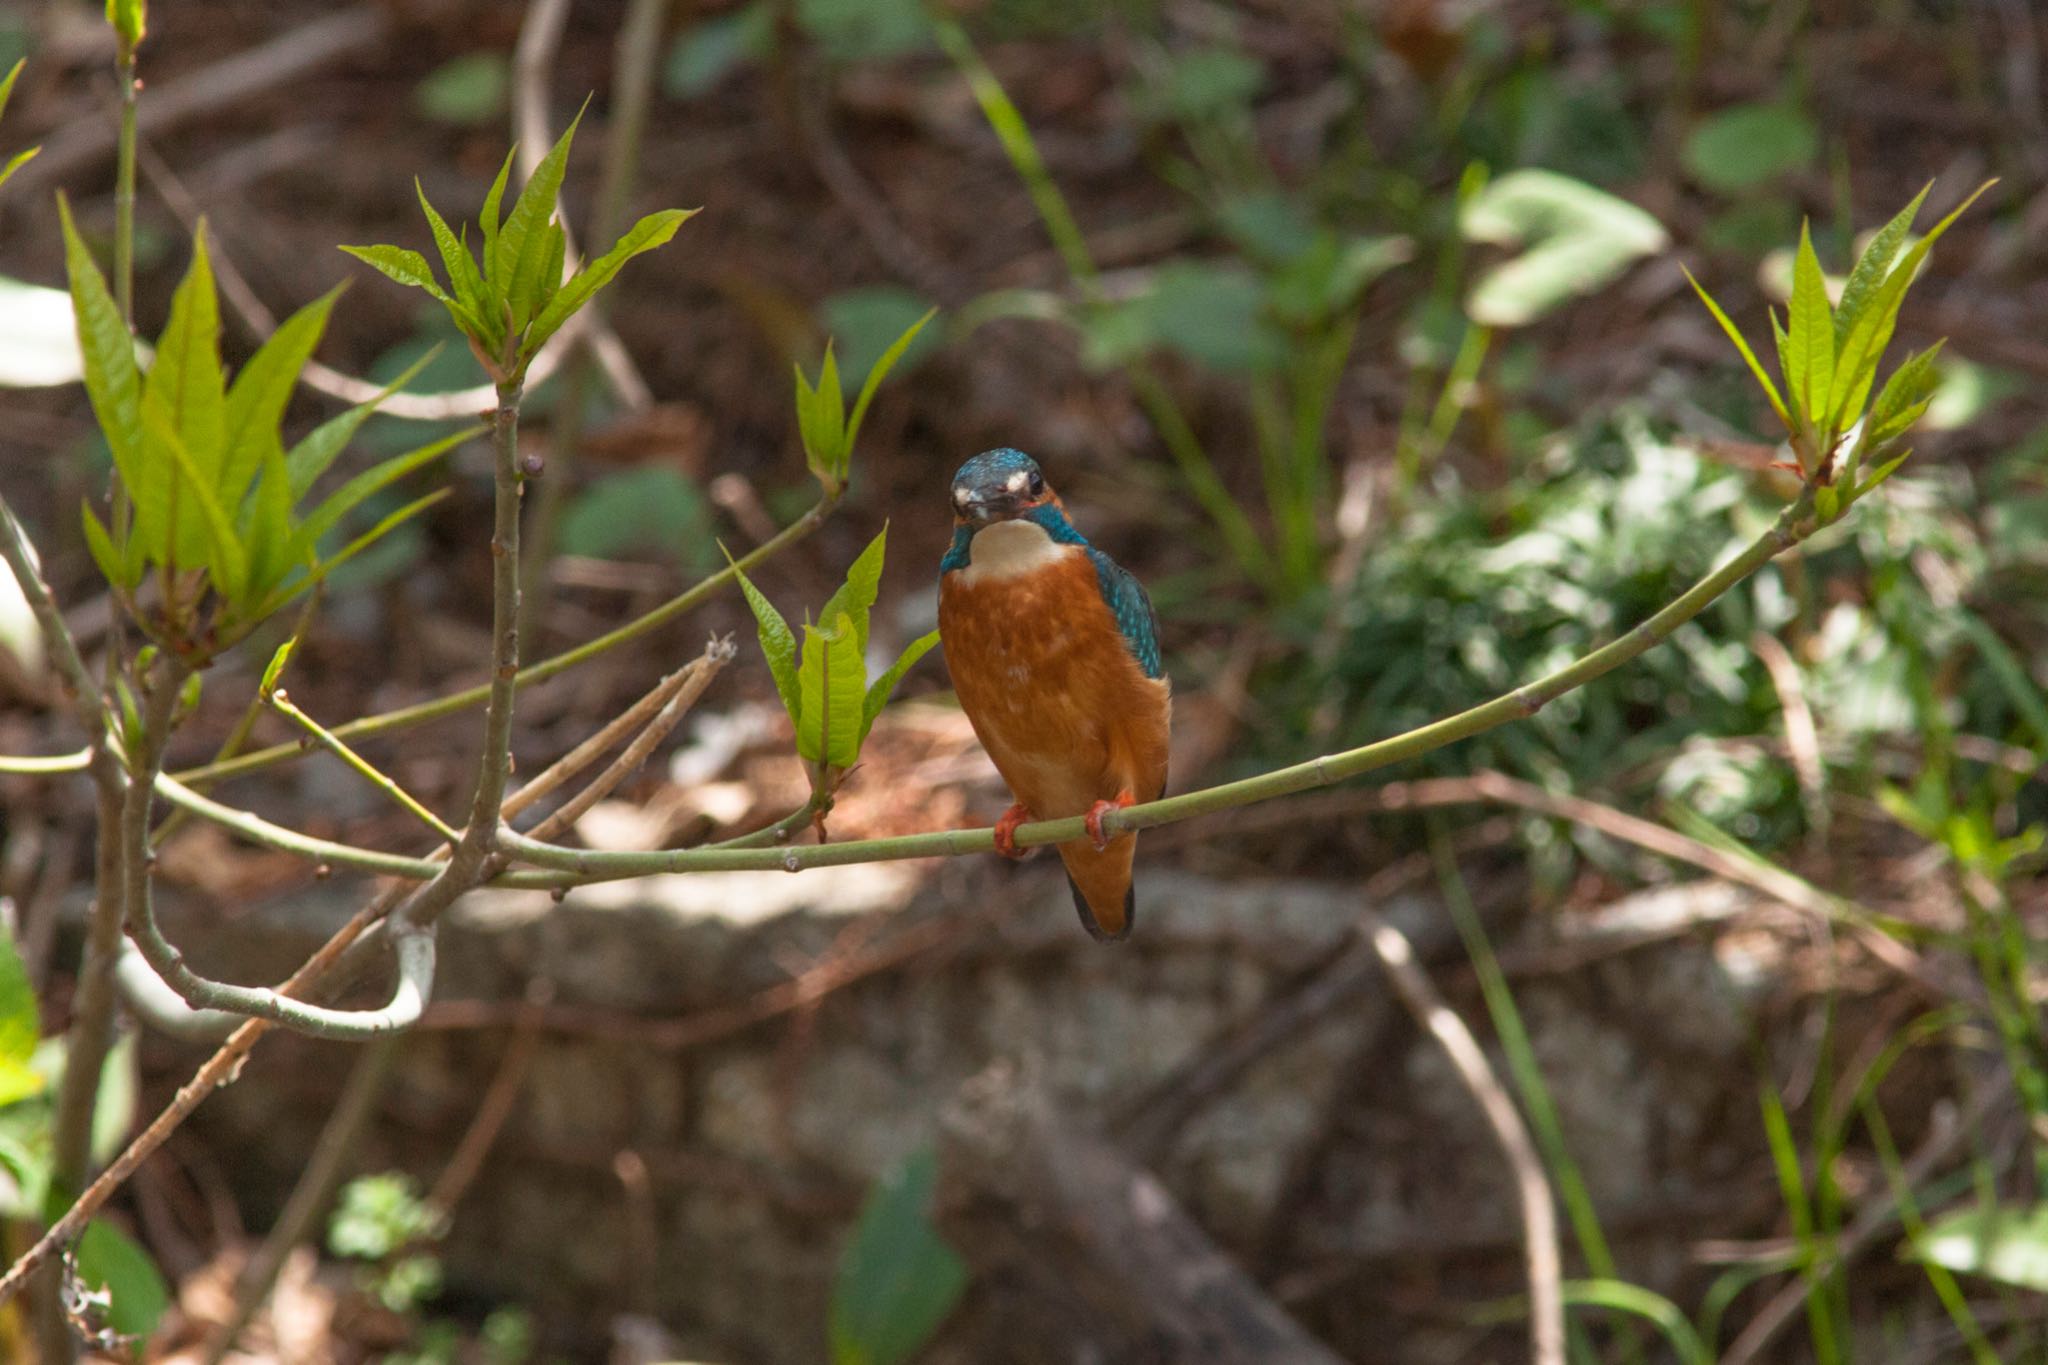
<point>980,507</point>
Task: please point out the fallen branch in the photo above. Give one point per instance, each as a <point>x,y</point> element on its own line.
<point>1114,1270</point>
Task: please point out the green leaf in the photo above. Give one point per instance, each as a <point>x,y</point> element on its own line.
<point>1874,264</point>
<point>645,235</point>
<point>112,380</point>
<point>856,596</point>
<point>821,420</point>
<point>280,596</point>
<point>521,247</point>
<point>1200,85</point>
<point>103,552</point>
<point>267,523</point>
<point>867,321</point>
<point>778,645</point>
<point>1883,472</point>
<point>865,30</point>
<point>706,52</point>
<point>7,81</point>
<point>1211,312</point>
<point>1811,337</point>
<point>130,21</point>
<point>653,510</point>
<point>468,90</point>
<point>812,680</point>
<point>276,666</point>
<point>372,480</point>
<point>878,693</point>
<point>488,220</point>
<point>1619,1296</point>
<point>185,384</point>
<point>1827,503</point>
<point>113,1108</point>
<point>18,1026</point>
<point>529,291</point>
<point>1786,363</point>
<point>24,1162</point>
<point>846,690</point>
<point>897,1279</point>
<point>1863,349</point>
<point>406,266</point>
<point>2007,1243</point>
<point>1748,356</point>
<point>550,282</point>
<point>1575,240</point>
<point>257,399</point>
<point>1749,145</point>
<point>109,1260</point>
<point>1905,396</point>
<point>463,279</point>
<point>16,162</point>
<point>317,450</point>
<point>876,373</point>
<point>226,562</point>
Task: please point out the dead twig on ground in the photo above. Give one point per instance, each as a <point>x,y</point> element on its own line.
<point>1539,1212</point>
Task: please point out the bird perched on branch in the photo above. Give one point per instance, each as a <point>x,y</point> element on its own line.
<point>1054,651</point>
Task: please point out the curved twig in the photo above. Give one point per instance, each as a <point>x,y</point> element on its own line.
<point>1539,1212</point>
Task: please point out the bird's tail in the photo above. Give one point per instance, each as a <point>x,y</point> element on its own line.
<point>1101,882</point>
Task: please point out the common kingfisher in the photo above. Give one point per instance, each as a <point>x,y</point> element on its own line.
<point>1054,652</point>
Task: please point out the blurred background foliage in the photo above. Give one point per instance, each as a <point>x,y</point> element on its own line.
<point>1356,329</point>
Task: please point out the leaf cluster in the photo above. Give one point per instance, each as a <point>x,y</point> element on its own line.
<point>217,499</point>
<point>1829,354</point>
<point>824,683</point>
<point>512,296</point>
<point>827,429</point>
<point>382,1219</point>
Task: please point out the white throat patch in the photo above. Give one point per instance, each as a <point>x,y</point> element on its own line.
<point>1011,549</point>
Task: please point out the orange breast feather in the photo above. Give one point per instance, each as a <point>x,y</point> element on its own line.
<point>1051,688</point>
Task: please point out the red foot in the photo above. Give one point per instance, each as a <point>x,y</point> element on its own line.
<point>1006,831</point>
<point>1093,820</point>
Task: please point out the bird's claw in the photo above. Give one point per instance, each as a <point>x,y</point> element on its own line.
<point>1093,820</point>
<point>1006,831</point>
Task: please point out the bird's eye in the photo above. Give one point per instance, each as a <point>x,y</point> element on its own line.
<point>1037,484</point>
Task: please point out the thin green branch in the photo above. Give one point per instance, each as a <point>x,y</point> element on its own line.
<point>259,830</point>
<point>415,946</point>
<point>124,187</point>
<point>1792,525</point>
<point>51,766</point>
<point>284,706</point>
<point>458,702</point>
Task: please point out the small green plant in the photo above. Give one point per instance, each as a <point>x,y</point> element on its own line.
<point>116,1285</point>
<point>897,1279</point>
<point>510,304</point>
<point>827,429</point>
<point>823,683</point>
<point>381,1219</point>
<point>214,496</point>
